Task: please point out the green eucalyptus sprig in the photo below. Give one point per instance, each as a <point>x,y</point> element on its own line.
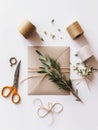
<point>52,68</point>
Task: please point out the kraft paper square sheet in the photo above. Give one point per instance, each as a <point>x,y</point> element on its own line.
<point>39,84</point>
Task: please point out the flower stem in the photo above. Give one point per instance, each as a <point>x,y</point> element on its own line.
<point>76,95</point>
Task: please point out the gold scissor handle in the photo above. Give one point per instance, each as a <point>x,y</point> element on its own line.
<point>9,90</point>
<point>15,94</point>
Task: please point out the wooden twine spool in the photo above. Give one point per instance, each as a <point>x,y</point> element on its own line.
<point>26,28</point>
<point>75,30</point>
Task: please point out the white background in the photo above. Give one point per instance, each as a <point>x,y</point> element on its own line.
<point>76,116</point>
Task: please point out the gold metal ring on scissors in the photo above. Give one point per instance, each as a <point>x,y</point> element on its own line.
<point>13,61</point>
<point>13,89</point>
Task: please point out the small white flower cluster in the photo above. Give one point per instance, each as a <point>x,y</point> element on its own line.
<point>83,69</point>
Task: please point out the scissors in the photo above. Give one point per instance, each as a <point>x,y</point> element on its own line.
<point>13,89</point>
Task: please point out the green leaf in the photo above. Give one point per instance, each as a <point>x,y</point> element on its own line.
<point>41,68</point>
<point>39,53</point>
<point>41,72</point>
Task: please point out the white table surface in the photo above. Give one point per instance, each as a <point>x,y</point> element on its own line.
<point>75,116</point>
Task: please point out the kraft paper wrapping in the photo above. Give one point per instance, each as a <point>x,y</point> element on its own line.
<point>39,84</point>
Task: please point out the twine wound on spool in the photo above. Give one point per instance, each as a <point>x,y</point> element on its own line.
<point>75,30</point>
<point>26,28</point>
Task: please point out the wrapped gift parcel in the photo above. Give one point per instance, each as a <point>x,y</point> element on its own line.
<point>39,84</point>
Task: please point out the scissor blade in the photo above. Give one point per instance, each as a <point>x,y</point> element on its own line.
<point>16,75</point>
